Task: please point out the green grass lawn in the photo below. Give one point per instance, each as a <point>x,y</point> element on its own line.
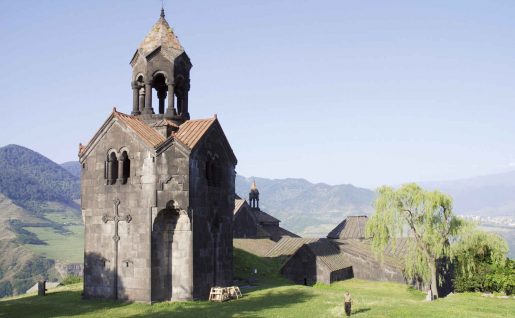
<point>371,299</point>
<point>65,248</point>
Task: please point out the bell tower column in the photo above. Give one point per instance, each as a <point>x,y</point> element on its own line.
<point>135,98</point>
<point>141,99</point>
<point>148,98</point>
<point>185,114</point>
<point>170,111</point>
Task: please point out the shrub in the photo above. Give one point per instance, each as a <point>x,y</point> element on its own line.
<point>72,279</point>
<point>482,264</point>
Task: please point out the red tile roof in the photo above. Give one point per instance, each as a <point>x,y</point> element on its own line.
<point>191,131</point>
<point>147,133</point>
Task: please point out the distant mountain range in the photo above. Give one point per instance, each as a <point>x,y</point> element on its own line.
<point>308,209</point>
<point>39,209</point>
<point>490,195</point>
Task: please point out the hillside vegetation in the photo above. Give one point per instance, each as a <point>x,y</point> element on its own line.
<point>40,220</point>
<point>30,179</point>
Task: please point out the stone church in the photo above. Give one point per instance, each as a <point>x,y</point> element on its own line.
<point>157,188</point>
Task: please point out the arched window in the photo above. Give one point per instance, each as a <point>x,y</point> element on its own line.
<point>126,167</point>
<point>112,168</point>
<point>210,172</point>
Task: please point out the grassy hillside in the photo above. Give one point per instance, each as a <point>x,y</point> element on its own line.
<point>371,299</point>
<point>271,296</point>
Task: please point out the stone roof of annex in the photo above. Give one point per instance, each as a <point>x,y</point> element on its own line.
<point>328,254</point>
<point>353,227</point>
<point>258,246</point>
<point>238,203</point>
<point>288,246</point>
<point>363,249</point>
<point>264,217</point>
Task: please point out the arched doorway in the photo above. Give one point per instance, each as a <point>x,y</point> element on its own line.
<point>171,255</point>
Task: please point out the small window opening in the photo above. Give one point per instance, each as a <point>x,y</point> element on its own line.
<point>126,167</point>
<point>213,173</point>
<point>112,168</point>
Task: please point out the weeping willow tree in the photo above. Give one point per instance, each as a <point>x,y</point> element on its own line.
<point>476,246</point>
<point>425,217</point>
<point>481,262</point>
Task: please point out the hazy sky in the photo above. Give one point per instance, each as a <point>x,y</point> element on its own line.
<point>362,92</point>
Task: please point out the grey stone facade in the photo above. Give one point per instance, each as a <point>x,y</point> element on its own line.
<point>157,189</point>
<point>317,262</point>
<point>365,265</point>
<point>348,252</point>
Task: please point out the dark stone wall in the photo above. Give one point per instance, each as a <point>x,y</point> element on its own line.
<point>245,225</point>
<point>366,267</point>
<point>341,274</point>
<point>301,268</point>
<point>212,207</point>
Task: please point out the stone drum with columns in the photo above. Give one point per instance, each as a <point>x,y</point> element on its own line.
<point>157,188</point>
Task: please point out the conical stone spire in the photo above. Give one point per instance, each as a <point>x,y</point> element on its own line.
<point>161,35</point>
<point>253,187</point>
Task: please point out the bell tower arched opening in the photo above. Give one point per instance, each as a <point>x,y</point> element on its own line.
<point>159,84</point>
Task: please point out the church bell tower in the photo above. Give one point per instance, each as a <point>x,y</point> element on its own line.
<point>160,64</point>
<point>254,196</point>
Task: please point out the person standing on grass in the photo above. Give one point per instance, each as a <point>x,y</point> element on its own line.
<point>348,303</point>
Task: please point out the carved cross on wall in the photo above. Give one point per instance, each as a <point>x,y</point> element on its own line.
<point>116,218</point>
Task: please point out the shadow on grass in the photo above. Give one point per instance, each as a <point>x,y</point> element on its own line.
<point>355,312</point>
<point>251,306</point>
<point>70,303</point>
<point>60,303</point>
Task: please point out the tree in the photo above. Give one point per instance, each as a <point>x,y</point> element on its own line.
<point>427,219</point>
<point>481,263</point>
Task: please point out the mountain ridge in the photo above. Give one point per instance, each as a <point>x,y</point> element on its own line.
<point>38,200</point>
<point>39,206</point>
